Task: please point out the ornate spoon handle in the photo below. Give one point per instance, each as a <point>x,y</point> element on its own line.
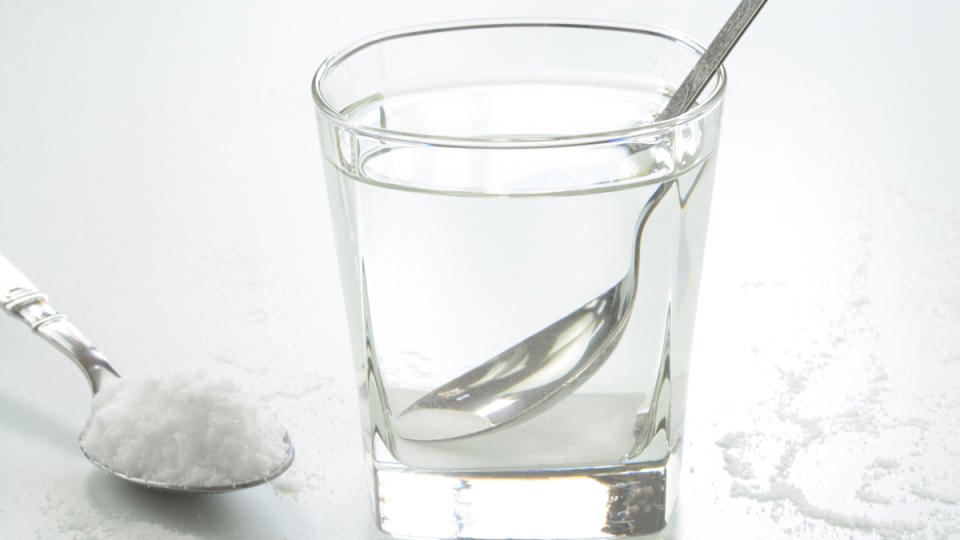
<point>20,298</point>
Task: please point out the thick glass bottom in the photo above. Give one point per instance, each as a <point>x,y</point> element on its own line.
<point>626,500</point>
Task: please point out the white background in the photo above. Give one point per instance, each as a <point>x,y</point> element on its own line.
<point>160,178</point>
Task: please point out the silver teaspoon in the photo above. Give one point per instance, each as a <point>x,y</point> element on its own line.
<point>522,380</point>
<point>20,298</point>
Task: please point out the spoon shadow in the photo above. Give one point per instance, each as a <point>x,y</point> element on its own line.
<point>195,514</point>
<point>252,514</point>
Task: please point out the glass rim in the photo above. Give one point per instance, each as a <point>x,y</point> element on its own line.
<point>651,129</point>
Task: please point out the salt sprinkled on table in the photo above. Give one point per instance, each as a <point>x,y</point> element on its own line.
<point>183,429</point>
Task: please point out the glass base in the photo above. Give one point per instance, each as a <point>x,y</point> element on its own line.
<point>626,500</point>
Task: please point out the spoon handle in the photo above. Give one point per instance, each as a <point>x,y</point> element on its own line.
<point>711,59</point>
<point>20,298</point>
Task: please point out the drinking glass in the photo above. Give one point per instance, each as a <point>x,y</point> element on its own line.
<point>486,180</point>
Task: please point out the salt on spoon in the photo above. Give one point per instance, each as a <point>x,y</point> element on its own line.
<point>180,433</point>
<point>183,429</point>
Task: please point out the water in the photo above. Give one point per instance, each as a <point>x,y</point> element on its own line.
<point>442,272</point>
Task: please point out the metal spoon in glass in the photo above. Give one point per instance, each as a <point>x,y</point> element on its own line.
<point>21,299</point>
<point>557,359</point>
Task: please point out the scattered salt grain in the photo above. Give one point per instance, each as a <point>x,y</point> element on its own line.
<point>184,429</point>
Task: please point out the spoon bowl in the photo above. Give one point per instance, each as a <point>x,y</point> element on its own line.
<point>544,367</point>
<point>20,298</point>
<point>174,488</point>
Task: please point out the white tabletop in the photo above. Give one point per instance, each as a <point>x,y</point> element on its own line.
<point>160,179</point>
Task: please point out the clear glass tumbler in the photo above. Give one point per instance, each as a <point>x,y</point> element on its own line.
<point>520,246</point>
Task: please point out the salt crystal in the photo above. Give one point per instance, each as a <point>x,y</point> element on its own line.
<point>183,429</point>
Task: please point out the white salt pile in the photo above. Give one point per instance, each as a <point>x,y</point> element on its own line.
<point>183,429</point>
